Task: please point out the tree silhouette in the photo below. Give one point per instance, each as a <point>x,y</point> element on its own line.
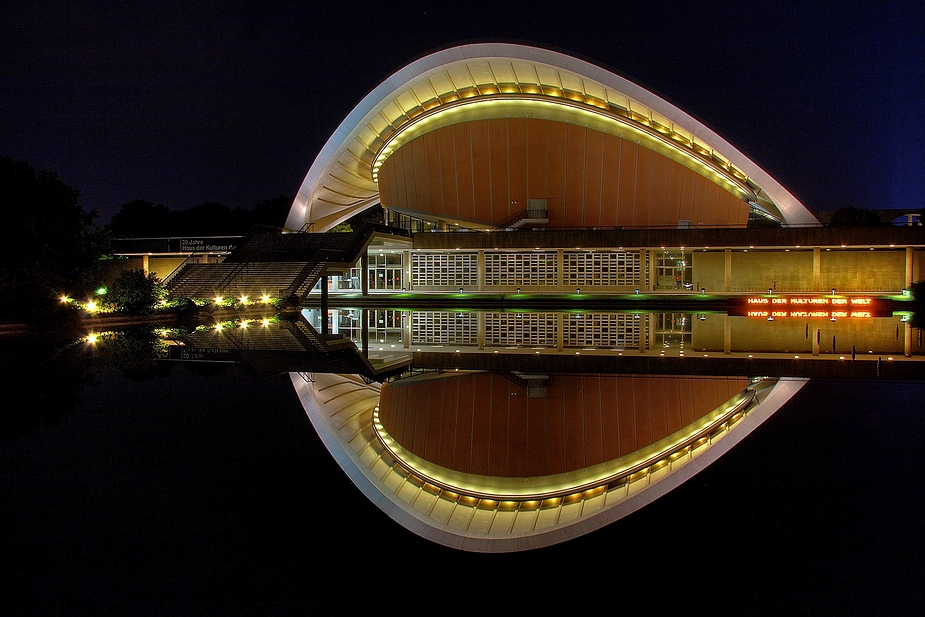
<point>51,245</point>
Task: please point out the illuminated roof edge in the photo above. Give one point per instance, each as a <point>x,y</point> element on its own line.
<point>794,212</point>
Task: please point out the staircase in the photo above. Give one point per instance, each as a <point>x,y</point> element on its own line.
<point>535,215</point>
<point>276,264</point>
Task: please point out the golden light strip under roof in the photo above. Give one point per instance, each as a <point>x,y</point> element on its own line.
<point>503,105</point>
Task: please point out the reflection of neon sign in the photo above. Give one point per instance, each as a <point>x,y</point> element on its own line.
<point>805,307</point>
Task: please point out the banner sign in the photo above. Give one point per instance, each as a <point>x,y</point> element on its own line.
<point>807,307</point>
<point>155,246</point>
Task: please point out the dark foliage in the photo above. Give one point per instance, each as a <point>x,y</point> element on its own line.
<point>52,245</point>
<point>855,217</point>
<point>134,291</point>
<point>143,219</point>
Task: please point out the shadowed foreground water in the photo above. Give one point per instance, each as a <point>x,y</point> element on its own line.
<point>206,491</point>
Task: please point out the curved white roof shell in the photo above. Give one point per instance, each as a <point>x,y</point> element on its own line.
<point>490,79</point>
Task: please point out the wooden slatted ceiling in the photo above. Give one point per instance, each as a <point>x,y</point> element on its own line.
<point>485,170</point>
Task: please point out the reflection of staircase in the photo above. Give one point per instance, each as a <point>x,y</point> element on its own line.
<point>534,383</point>
<point>276,264</point>
<point>285,346</point>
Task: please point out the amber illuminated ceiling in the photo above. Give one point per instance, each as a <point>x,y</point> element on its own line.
<point>498,80</point>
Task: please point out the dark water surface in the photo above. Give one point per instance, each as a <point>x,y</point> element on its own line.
<point>201,489</point>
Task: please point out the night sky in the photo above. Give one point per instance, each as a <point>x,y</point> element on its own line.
<point>181,103</point>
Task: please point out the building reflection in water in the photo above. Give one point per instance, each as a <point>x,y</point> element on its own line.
<point>671,333</point>
<point>566,433</point>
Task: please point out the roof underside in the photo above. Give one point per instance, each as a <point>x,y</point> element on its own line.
<point>501,80</point>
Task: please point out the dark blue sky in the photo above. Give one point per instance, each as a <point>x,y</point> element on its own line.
<point>180,103</point>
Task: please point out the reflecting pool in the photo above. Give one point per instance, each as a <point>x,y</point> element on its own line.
<point>197,483</point>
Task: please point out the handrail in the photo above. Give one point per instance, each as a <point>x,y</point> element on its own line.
<point>529,213</point>
<point>173,273</point>
<point>350,253</point>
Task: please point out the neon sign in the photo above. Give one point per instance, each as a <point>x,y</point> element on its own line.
<point>806,307</point>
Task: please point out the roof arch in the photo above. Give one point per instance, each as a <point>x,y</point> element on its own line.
<point>481,79</point>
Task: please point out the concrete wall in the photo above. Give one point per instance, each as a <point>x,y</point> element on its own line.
<point>160,266</point>
<point>792,271</point>
<point>863,270</point>
<point>750,334</point>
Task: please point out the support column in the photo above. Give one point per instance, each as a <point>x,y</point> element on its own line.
<point>364,273</point>
<point>907,341</point>
<point>651,271</point>
<point>817,269</point>
<point>817,339</point>
<point>324,304</point>
<point>406,269</point>
<point>480,259</point>
<point>560,270</point>
<point>406,327</point>
<point>909,263</point>
<point>364,331</point>
<point>480,324</point>
<point>727,334</point>
<point>643,332</point>
<point>560,331</point>
<point>727,271</point>
<point>145,264</point>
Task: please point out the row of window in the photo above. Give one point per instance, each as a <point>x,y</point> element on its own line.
<point>534,269</point>
<point>615,330</point>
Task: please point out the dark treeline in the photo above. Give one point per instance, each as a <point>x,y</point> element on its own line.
<point>143,219</point>
<point>53,246</point>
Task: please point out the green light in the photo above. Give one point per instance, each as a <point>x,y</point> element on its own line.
<point>101,291</point>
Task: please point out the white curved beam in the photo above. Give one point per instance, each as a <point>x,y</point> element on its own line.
<point>340,181</point>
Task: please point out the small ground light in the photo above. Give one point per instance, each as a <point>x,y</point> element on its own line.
<point>266,322</point>
<point>637,291</point>
<point>833,291</point>
<point>218,299</point>
<point>243,299</point>
<point>703,291</point>
<point>265,298</point>
<point>90,306</point>
<point>578,292</point>
<point>770,291</point>
<point>91,338</point>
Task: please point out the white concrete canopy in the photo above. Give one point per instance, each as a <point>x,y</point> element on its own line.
<point>342,181</point>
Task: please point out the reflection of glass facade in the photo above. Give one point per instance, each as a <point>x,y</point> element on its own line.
<point>667,333</point>
<point>671,330</point>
